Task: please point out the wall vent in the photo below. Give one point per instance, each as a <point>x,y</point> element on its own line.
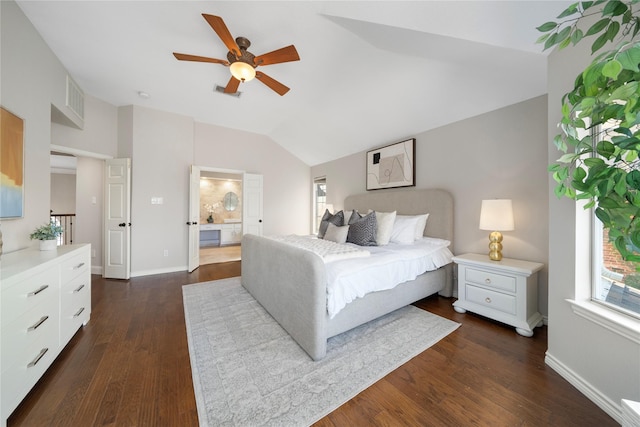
<point>75,98</point>
<point>220,89</point>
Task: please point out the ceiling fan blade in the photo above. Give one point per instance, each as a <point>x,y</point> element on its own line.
<point>232,86</point>
<point>275,85</point>
<point>285,54</point>
<point>185,57</point>
<point>222,31</point>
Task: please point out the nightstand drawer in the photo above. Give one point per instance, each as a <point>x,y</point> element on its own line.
<point>493,280</point>
<point>490,299</point>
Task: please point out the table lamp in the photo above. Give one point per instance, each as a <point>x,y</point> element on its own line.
<point>496,216</point>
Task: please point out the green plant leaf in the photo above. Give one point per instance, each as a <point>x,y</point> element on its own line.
<point>593,162</point>
<point>595,28</point>
<point>547,26</point>
<point>579,174</point>
<point>622,93</point>
<point>614,8</point>
<point>612,30</point>
<point>608,203</point>
<point>605,148</point>
<point>600,41</point>
<point>611,69</point>
<point>559,190</point>
<point>603,215</point>
<point>551,41</point>
<point>630,59</point>
<point>569,11</point>
<point>633,179</point>
<point>562,35</point>
<point>576,36</point>
<point>542,38</point>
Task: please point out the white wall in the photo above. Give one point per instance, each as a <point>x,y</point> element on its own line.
<point>63,193</point>
<point>29,77</point>
<point>89,208</point>
<point>602,364</point>
<point>501,154</point>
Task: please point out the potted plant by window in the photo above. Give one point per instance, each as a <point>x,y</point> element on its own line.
<point>48,235</point>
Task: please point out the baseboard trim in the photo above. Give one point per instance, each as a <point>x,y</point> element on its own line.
<point>614,410</point>
<point>158,271</point>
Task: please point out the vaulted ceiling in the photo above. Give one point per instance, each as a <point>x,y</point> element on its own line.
<point>370,74</point>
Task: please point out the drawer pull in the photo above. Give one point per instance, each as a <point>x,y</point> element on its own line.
<point>487,281</point>
<point>38,357</point>
<point>37,291</point>
<point>78,266</point>
<point>79,312</point>
<point>487,300</point>
<point>37,324</point>
<point>79,289</point>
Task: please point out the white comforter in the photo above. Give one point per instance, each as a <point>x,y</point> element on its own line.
<point>387,267</point>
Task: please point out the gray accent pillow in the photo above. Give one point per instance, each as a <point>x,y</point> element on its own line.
<point>362,230</point>
<point>328,217</point>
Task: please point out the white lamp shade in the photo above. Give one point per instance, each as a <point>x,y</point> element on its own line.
<point>497,215</point>
<point>242,71</point>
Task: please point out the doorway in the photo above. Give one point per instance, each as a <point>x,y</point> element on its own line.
<point>220,216</point>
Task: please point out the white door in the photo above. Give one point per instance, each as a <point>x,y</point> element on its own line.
<point>194,217</point>
<point>117,224</point>
<point>252,204</point>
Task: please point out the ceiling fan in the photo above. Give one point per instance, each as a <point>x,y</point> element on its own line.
<point>241,62</point>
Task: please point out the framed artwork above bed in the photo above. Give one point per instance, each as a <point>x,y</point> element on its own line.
<point>392,166</point>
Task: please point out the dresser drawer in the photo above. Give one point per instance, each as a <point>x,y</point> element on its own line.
<point>30,292</point>
<point>75,305</point>
<point>490,299</point>
<point>36,327</point>
<point>493,280</point>
<point>18,378</point>
<point>74,267</point>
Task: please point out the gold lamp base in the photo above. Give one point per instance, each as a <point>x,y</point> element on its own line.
<point>495,246</point>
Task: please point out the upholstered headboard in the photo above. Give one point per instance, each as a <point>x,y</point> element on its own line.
<point>437,203</point>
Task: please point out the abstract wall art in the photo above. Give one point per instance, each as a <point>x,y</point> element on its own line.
<point>392,166</point>
<point>11,165</point>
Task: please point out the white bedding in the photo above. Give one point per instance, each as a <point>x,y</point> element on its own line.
<point>327,250</point>
<point>387,267</point>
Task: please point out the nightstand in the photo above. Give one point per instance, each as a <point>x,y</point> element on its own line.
<point>506,290</point>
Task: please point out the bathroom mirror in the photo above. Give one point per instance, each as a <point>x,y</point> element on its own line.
<point>230,201</point>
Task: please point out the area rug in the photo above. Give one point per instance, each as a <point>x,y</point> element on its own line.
<point>247,371</point>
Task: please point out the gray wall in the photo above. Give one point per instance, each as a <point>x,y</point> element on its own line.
<point>63,193</point>
<point>500,154</point>
<point>602,364</point>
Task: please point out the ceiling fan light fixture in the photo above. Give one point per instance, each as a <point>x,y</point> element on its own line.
<point>242,71</point>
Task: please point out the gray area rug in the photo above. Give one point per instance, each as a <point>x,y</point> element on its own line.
<point>247,371</point>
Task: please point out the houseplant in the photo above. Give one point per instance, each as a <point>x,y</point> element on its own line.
<point>600,125</point>
<point>48,235</point>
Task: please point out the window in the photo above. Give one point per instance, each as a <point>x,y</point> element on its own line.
<point>319,201</point>
<point>616,283</point>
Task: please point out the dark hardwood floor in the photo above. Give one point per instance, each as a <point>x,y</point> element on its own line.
<point>130,367</point>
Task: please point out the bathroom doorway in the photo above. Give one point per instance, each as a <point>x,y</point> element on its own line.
<point>220,216</point>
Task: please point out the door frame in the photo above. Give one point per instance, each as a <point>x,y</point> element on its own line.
<point>215,170</point>
<point>95,269</point>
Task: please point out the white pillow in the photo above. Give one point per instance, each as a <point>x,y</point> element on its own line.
<point>384,228</point>
<point>404,229</point>
<point>422,224</point>
<point>336,233</point>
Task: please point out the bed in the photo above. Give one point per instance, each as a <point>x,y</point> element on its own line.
<point>291,283</point>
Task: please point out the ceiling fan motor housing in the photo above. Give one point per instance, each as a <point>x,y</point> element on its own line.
<point>245,55</point>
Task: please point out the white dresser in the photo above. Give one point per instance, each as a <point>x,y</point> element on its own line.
<point>505,290</point>
<point>45,296</point>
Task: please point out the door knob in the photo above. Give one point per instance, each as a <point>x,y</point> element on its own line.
<point>259,220</point>
<point>188,222</point>
<point>122,224</point>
